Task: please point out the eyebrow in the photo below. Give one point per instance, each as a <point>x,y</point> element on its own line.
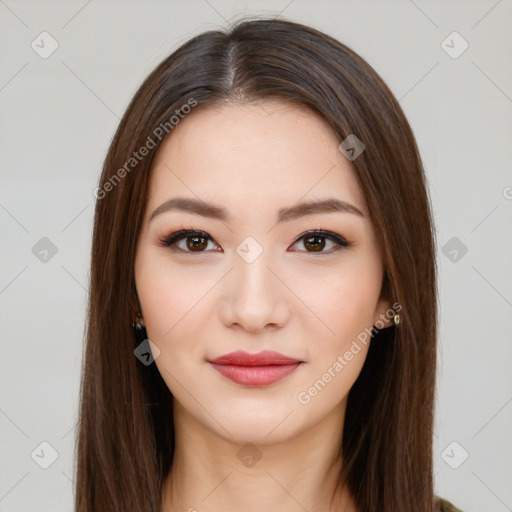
<point>198,207</point>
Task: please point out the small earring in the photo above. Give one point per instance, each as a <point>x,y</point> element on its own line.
<point>139,322</point>
<point>397,319</point>
<point>139,329</point>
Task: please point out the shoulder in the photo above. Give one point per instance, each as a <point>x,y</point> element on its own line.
<point>446,506</point>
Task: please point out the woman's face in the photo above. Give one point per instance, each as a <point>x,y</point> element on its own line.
<point>252,281</point>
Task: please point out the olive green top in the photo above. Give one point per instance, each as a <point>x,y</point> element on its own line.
<point>446,506</point>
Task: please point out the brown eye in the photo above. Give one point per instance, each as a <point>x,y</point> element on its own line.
<point>196,243</point>
<point>315,242</point>
<point>190,240</point>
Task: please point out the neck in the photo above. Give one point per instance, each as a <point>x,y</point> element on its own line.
<point>211,473</point>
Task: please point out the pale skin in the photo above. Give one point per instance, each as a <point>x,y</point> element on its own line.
<point>253,160</point>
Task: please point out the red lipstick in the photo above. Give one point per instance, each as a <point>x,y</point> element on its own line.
<point>255,370</point>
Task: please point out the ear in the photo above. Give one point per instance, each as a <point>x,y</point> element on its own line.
<point>383,316</point>
<point>384,313</point>
<point>135,306</point>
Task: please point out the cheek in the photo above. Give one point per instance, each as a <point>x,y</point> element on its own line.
<point>170,305</point>
<point>338,344</point>
<point>177,311</point>
<point>169,296</point>
<point>345,306</point>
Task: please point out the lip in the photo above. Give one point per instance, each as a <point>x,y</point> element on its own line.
<point>255,370</point>
<point>267,357</point>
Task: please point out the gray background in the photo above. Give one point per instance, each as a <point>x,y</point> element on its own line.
<point>58,116</point>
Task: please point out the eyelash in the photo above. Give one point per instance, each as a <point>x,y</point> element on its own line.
<point>176,236</point>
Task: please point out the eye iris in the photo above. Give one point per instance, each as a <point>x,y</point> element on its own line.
<point>317,245</point>
<point>195,245</point>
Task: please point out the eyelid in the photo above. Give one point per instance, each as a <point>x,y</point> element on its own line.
<point>183,233</point>
<point>324,233</point>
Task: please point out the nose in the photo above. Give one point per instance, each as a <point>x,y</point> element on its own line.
<point>254,296</point>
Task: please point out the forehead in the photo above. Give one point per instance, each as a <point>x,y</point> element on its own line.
<point>252,155</point>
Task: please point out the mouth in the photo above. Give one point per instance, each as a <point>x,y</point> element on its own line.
<point>255,370</point>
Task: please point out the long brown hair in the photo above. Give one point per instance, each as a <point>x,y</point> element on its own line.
<point>125,442</point>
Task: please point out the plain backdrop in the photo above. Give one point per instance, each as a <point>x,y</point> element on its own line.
<point>59,112</point>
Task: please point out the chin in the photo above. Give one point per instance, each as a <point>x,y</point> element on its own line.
<point>257,434</point>
<point>255,427</point>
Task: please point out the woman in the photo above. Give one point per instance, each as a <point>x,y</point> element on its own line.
<point>263,223</point>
